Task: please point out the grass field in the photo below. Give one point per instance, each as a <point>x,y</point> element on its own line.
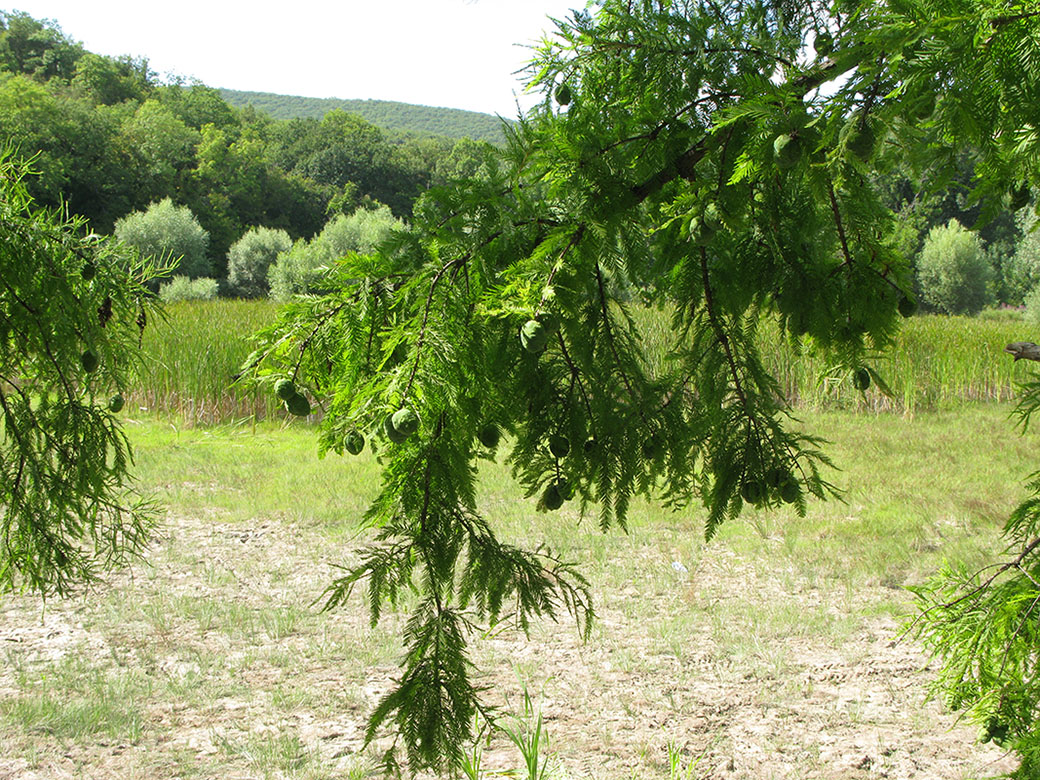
<point>771,652</point>
<point>937,362</point>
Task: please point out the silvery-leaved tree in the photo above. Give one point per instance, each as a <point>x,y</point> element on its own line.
<point>72,307</point>
<point>713,157</point>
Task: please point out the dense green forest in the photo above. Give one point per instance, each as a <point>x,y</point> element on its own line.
<point>108,138</point>
<point>387,114</point>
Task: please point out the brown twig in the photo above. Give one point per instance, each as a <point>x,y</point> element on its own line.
<point>720,334</point>
<point>838,223</point>
<point>1001,21</point>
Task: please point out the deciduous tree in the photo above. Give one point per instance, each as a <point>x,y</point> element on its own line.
<point>36,48</point>
<point>953,270</point>
<point>250,258</point>
<point>168,234</point>
<point>304,267</point>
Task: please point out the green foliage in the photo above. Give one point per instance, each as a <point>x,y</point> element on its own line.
<point>936,362</point>
<point>465,161</point>
<point>343,152</point>
<point>924,201</point>
<point>361,231</point>
<point>953,271</point>
<point>162,145</point>
<point>197,105</point>
<point>43,127</point>
<point>1025,264</point>
<point>111,81</point>
<point>250,258</point>
<point>165,232</point>
<point>304,267</point>
<point>108,138</point>
<point>673,115</point>
<point>182,288</point>
<point>387,114</point>
<point>35,48</point>
<point>71,314</point>
<point>295,271</point>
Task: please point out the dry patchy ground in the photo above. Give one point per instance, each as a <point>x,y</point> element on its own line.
<point>211,662</point>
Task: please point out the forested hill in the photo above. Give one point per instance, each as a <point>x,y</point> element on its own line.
<point>110,139</point>
<point>390,115</point>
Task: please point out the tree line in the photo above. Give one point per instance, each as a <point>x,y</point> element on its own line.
<point>108,137</point>
<point>388,114</point>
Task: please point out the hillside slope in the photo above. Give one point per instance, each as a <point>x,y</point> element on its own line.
<point>390,115</point>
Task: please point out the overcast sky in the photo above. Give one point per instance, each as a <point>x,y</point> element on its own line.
<point>454,53</point>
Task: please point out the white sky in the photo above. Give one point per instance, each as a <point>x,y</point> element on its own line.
<point>453,53</point>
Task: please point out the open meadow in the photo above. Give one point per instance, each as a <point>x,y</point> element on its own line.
<point>774,651</point>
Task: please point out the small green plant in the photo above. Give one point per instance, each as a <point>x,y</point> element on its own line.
<point>471,762</point>
<point>527,733</point>
<point>678,768</point>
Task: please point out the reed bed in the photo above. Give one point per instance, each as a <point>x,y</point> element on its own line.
<point>935,362</point>
<point>192,354</point>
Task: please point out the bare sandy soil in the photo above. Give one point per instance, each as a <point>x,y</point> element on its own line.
<point>223,669</point>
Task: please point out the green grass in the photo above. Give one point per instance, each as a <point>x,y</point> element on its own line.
<point>277,755</point>
<point>251,473</point>
<point>75,700</point>
<point>937,362</point>
<point>215,660</point>
<point>192,354</point>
